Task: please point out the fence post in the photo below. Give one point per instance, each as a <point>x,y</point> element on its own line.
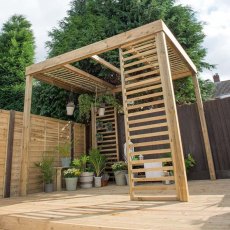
<point>9,154</point>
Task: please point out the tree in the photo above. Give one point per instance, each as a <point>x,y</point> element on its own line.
<point>16,52</point>
<point>89,21</point>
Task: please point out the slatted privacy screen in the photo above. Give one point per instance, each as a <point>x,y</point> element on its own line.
<point>107,141</point>
<point>148,137</point>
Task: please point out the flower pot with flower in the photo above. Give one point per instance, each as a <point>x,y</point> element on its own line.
<point>120,169</point>
<point>71,177</point>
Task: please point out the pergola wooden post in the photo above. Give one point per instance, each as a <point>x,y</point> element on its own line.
<point>26,136</point>
<point>172,118</point>
<point>204,128</point>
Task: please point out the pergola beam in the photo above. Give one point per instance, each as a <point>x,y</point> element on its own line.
<point>97,48</point>
<point>106,64</point>
<point>89,76</point>
<point>179,49</point>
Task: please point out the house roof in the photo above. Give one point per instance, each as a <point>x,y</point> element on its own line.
<point>222,89</point>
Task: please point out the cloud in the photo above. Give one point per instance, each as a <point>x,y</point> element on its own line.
<point>45,14</point>
<point>217,30</point>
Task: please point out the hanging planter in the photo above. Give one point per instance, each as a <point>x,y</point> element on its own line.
<point>70,108</point>
<point>101,110</point>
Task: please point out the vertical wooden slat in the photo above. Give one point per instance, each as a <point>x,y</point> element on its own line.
<point>9,155</point>
<point>26,136</point>
<point>93,127</point>
<point>131,183</point>
<point>204,128</point>
<point>172,118</point>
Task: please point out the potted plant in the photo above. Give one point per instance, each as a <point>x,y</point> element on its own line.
<point>71,176</point>
<point>104,179</point>
<point>109,126</point>
<point>99,137</point>
<point>86,176</point>
<point>189,162</point>
<point>99,124</point>
<point>64,151</point>
<point>120,169</point>
<point>98,162</point>
<point>85,102</point>
<point>70,108</point>
<point>46,166</point>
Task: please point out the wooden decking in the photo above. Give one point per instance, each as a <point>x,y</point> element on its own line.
<point>109,208</point>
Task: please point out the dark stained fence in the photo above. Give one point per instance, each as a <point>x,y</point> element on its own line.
<point>217,114</point>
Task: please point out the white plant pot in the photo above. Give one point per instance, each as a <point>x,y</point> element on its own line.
<point>101,111</point>
<point>69,110</point>
<point>86,180</point>
<point>71,183</point>
<point>97,181</point>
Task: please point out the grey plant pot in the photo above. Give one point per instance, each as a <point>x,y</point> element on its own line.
<point>97,181</point>
<point>86,180</point>
<point>71,183</point>
<point>49,187</point>
<point>65,161</point>
<point>120,177</point>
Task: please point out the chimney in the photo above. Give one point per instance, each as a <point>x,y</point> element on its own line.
<point>216,77</point>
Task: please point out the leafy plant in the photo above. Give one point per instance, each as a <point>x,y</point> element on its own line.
<point>46,168</point>
<point>82,163</point>
<point>72,172</point>
<point>109,99</point>
<point>119,166</point>
<point>97,160</point>
<point>85,102</point>
<point>189,162</point>
<point>64,149</point>
<point>99,137</point>
<point>109,126</point>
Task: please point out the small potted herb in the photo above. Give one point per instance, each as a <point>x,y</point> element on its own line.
<point>46,166</point>
<point>64,150</point>
<point>98,162</point>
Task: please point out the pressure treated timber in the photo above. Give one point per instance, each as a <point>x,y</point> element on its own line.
<point>97,48</point>
<point>149,101</point>
<point>106,64</point>
<point>204,129</point>
<point>109,143</point>
<point>208,209</point>
<point>26,136</point>
<point>172,118</point>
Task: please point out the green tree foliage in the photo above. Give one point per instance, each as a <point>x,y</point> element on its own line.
<point>16,52</point>
<point>89,21</point>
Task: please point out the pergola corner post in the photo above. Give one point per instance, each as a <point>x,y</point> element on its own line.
<point>204,128</point>
<point>26,136</point>
<point>124,97</point>
<point>172,118</point>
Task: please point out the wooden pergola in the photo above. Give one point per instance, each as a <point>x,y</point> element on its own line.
<point>150,59</point>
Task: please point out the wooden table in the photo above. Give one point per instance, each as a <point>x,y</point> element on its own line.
<point>59,177</point>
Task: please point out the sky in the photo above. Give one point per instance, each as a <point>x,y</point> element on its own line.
<point>45,14</point>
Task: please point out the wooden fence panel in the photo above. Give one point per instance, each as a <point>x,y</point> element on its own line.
<point>218,122</point>
<point>45,134</point>
<point>4,124</point>
<point>217,114</point>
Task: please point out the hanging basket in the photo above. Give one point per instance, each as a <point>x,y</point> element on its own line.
<point>70,108</point>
